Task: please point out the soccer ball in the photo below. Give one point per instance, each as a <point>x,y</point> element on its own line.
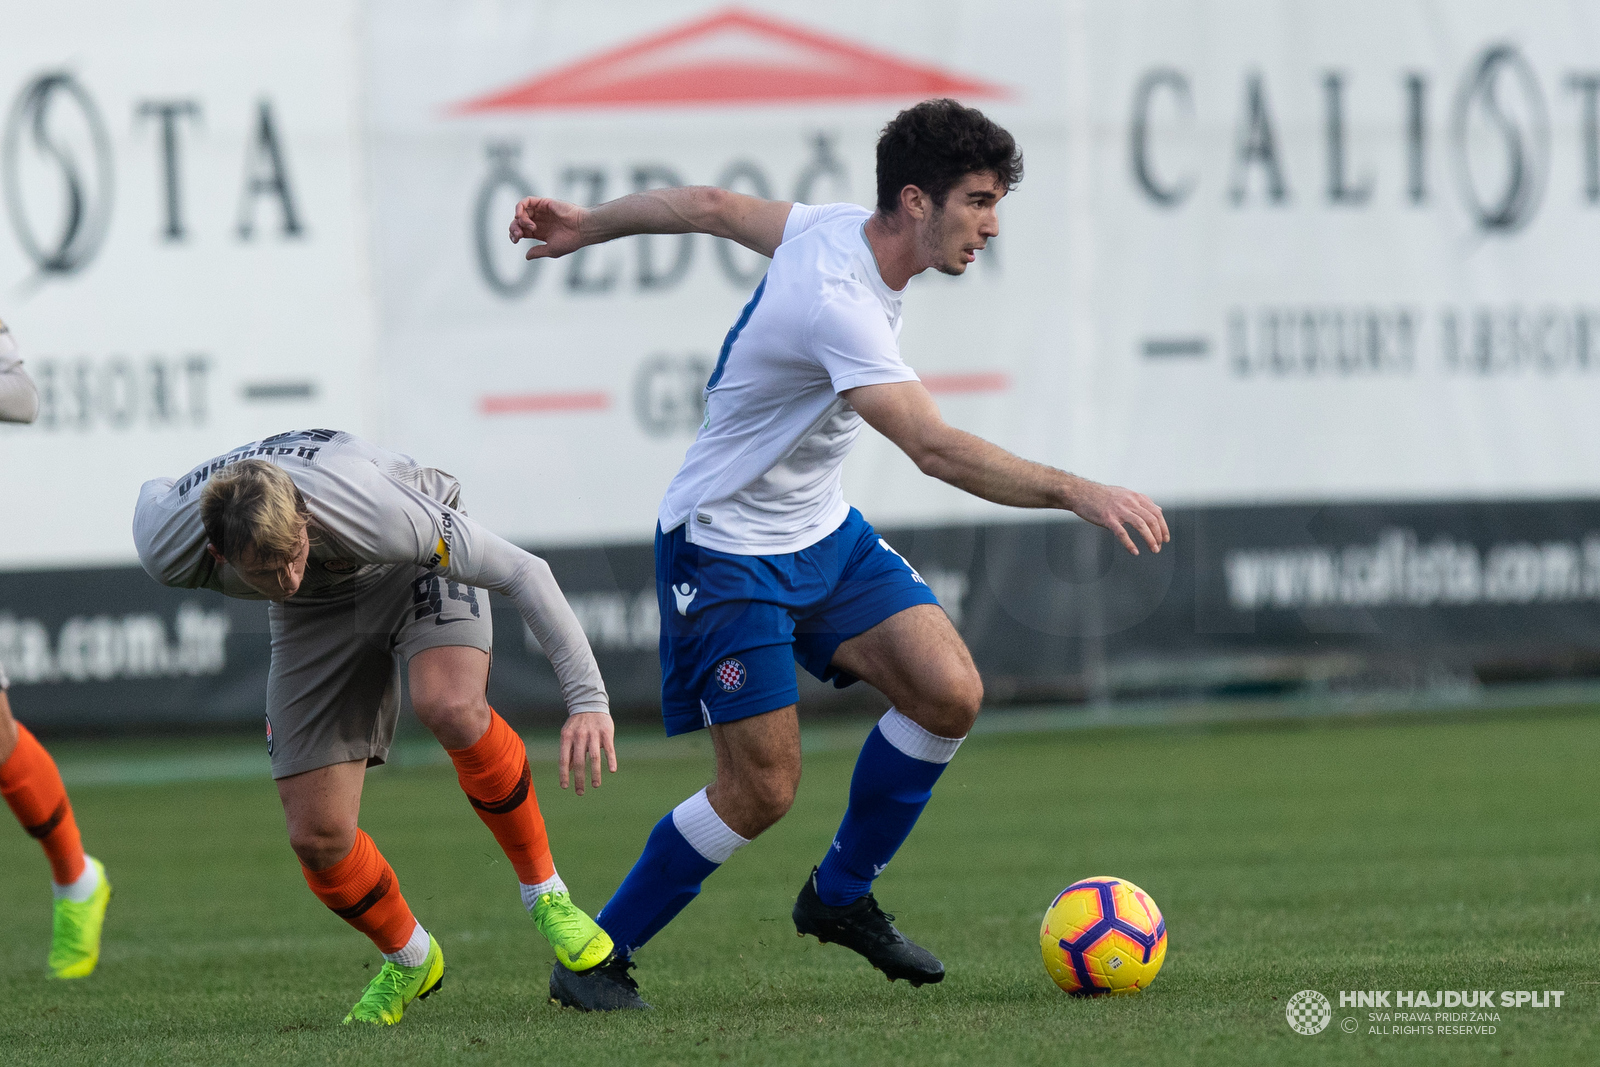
<point>1103,935</point>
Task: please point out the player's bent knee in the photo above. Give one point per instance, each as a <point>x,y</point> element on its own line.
<point>456,719</point>
<point>321,846</point>
<point>754,803</point>
<point>769,800</point>
<point>780,797</point>
<point>450,707</point>
<point>968,697</point>
<point>949,707</point>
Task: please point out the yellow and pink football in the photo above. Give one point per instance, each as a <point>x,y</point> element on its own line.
<point>1103,935</point>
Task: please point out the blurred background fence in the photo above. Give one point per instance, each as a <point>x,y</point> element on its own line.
<point>1320,279</point>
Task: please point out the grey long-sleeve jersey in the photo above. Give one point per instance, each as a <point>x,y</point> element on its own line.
<point>370,508</point>
<point>19,400</point>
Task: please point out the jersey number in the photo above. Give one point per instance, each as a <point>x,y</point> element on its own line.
<point>426,600</point>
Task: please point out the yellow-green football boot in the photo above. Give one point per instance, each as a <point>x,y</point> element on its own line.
<point>394,986</point>
<point>578,940</point>
<point>75,935</point>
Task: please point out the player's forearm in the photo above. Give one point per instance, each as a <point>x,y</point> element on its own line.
<point>690,209</point>
<point>986,470</point>
<point>556,628</point>
<point>750,221</point>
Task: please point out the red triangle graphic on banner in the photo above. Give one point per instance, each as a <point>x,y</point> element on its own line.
<point>730,57</point>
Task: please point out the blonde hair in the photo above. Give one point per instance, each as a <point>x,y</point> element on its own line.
<point>253,507</point>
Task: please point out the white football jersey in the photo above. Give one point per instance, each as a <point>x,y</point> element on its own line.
<point>763,476</point>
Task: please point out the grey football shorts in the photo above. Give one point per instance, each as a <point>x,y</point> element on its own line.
<point>333,690</point>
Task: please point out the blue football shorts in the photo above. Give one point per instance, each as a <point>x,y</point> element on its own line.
<point>732,627</point>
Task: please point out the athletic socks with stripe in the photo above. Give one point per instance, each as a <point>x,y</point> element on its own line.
<point>688,844</point>
<point>893,780</point>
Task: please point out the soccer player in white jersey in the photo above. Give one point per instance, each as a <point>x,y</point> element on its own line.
<point>370,566</point>
<point>29,779</point>
<point>759,560</point>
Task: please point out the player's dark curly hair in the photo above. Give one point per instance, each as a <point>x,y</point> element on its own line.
<point>937,143</point>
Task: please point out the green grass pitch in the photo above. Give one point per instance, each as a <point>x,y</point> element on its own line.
<point>1384,854</point>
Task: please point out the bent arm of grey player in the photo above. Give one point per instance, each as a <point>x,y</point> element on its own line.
<point>476,556</point>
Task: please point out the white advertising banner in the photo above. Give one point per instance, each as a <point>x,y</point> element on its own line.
<point>1263,252</point>
<point>1318,277</point>
<point>182,255</point>
<point>1343,251</point>
<point>564,393</point>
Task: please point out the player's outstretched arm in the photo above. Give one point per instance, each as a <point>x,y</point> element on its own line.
<point>564,228</point>
<point>906,414</point>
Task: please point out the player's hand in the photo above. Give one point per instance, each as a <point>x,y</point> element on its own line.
<point>1117,508</point>
<point>586,739</point>
<point>555,222</point>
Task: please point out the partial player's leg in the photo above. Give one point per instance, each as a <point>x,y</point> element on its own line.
<point>726,664</point>
<point>758,771</point>
<point>348,874</point>
<point>883,625</point>
<point>917,660</point>
<point>333,697</point>
<point>448,685</point>
<point>33,790</point>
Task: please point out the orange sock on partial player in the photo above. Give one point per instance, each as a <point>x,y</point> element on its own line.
<point>32,787</point>
<point>362,890</point>
<point>494,774</point>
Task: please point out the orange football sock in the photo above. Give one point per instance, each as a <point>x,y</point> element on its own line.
<point>32,787</point>
<point>494,774</point>
<point>362,890</point>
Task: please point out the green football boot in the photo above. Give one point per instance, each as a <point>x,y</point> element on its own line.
<point>578,940</point>
<point>393,987</point>
<point>75,935</point>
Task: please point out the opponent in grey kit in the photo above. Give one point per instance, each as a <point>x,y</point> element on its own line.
<point>371,564</point>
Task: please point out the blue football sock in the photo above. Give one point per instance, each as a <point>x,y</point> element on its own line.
<point>688,844</point>
<point>893,780</point>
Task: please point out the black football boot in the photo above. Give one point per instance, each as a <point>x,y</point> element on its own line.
<point>863,927</point>
<point>606,986</point>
